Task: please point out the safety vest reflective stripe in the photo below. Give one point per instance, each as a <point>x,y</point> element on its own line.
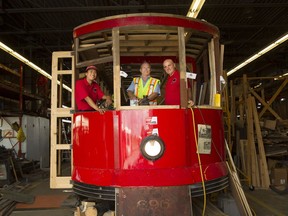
<point>151,86</point>
<point>145,90</point>
<point>136,82</point>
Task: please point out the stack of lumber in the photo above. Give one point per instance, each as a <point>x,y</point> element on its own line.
<point>275,137</point>
<point>12,194</point>
<point>236,187</point>
<point>252,151</point>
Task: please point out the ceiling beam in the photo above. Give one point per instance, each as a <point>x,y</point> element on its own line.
<point>246,5</point>
<point>92,8</point>
<point>38,31</point>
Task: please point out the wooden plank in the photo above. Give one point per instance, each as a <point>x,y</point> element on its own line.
<point>232,108</point>
<point>263,163</point>
<point>150,54</point>
<point>148,49</point>
<point>17,196</point>
<point>235,186</point>
<point>260,78</point>
<point>195,46</point>
<point>218,67</point>
<point>212,72</point>
<point>151,37</point>
<point>205,86</point>
<point>154,43</point>
<point>104,44</point>
<point>56,114</point>
<point>245,85</point>
<point>252,156</point>
<point>205,67</point>
<point>116,67</point>
<point>274,97</point>
<point>200,96</point>
<point>61,182</point>
<point>9,70</point>
<point>182,64</point>
<point>194,92</point>
<point>250,136</point>
<point>262,101</point>
<point>95,61</point>
<point>191,82</point>
<point>243,158</point>
<point>238,194</point>
<point>241,109</point>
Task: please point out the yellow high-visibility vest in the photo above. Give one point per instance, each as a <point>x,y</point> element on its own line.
<point>148,89</point>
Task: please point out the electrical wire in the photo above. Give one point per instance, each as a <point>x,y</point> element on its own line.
<point>200,164</point>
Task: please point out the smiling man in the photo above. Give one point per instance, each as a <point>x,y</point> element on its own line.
<point>88,92</point>
<point>172,88</point>
<point>145,88</point>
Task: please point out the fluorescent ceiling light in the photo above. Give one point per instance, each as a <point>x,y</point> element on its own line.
<point>195,8</point>
<point>30,64</point>
<point>260,53</point>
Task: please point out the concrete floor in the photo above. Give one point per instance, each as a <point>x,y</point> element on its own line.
<point>267,202</point>
<point>57,202</point>
<point>48,202</point>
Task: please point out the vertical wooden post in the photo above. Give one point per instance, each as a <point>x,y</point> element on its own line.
<point>265,181</point>
<point>252,161</point>
<point>213,89</point>
<point>232,108</point>
<point>116,67</point>
<point>217,63</point>
<point>182,64</point>
<point>57,113</point>
<point>19,154</point>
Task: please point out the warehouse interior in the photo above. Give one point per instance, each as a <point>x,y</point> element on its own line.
<point>37,28</point>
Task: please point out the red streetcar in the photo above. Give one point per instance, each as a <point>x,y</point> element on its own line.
<point>150,160</point>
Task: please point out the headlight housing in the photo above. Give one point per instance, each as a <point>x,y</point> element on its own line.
<point>152,147</point>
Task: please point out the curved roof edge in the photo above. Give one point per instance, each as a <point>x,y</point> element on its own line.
<point>145,19</point>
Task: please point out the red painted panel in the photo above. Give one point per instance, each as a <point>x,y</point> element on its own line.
<point>107,147</point>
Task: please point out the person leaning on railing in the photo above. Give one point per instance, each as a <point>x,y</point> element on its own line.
<point>88,92</point>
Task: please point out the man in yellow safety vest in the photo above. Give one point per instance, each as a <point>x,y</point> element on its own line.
<point>144,89</point>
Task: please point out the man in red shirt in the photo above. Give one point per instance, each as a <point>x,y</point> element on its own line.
<point>172,89</point>
<point>88,92</point>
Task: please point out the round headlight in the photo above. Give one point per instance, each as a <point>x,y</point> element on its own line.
<point>152,147</point>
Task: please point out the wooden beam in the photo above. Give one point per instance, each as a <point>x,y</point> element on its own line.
<point>252,155</point>
<point>274,97</point>
<point>217,64</point>
<point>235,185</point>
<point>9,70</point>
<point>265,104</point>
<point>265,181</point>
<point>95,61</point>
<point>182,63</point>
<point>105,44</point>
<point>213,90</point>
<point>116,67</point>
